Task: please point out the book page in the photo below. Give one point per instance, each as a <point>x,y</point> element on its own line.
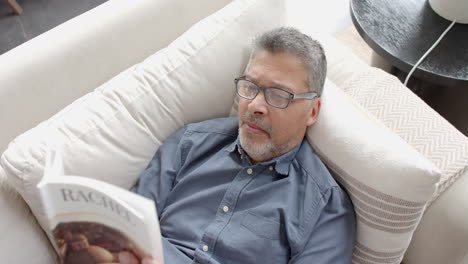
<point>94,222</point>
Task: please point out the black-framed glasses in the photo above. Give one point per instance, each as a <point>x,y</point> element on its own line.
<point>275,97</point>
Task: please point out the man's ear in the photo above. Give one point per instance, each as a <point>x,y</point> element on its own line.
<point>314,111</point>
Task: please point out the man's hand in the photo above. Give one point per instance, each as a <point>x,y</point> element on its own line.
<point>126,257</point>
<point>149,260</point>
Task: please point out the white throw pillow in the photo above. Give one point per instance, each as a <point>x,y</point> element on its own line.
<point>112,133</point>
<point>414,121</point>
<point>387,180</point>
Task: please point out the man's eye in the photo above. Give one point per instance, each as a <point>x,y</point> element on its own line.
<point>279,95</point>
<point>250,87</point>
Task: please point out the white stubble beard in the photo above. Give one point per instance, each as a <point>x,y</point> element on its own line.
<point>255,150</point>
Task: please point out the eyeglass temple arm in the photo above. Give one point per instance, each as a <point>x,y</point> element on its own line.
<point>309,95</point>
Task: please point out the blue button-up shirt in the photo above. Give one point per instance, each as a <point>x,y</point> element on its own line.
<point>214,206</point>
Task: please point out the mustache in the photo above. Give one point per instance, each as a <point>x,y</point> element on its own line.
<point>257,120</point>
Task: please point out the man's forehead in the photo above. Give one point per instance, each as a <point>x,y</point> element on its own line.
<point>268,83</point>
<point>265,69</point>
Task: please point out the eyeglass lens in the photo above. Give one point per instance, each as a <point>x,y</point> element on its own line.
<point>273,96</point>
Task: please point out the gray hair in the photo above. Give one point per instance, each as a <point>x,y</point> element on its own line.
<point>292,41</point>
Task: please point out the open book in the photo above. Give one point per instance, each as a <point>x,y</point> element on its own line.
<point>93,222</point>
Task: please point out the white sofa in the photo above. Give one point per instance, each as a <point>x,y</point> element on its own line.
<point>42,76</point>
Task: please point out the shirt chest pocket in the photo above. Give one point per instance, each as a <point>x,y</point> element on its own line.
<point>253,239</point>
<point>263,228</point>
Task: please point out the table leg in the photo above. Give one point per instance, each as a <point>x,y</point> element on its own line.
<point>15,6</point>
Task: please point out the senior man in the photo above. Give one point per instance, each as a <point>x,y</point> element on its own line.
<point>251,189</point>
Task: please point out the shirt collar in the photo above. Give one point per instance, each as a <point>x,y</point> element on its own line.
<point>232,146</point>
<point>282,162</point>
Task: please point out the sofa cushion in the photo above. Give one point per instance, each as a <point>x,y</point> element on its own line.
<point>112,133</point>
<point>402,111</point>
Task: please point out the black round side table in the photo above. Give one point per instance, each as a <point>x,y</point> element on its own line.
<point>401,31</point>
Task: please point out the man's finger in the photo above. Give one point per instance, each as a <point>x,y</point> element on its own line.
<point>149,260</point>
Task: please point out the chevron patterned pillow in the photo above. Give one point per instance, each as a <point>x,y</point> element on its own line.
<point>387,180</point>
<point>384,96</point>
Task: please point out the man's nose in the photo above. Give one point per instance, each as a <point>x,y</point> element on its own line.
<point>258,105</point>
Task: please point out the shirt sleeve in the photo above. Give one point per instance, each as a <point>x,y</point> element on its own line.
<point>333,236</point>
<point>156,181</point>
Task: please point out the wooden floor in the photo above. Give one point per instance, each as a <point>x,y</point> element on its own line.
<point>37,17</point>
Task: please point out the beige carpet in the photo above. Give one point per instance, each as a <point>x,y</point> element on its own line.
<point>351,38</point>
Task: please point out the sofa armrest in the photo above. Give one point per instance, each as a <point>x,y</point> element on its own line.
<point>22,240</point>
<point>442,235</point>
<point>342,62</point>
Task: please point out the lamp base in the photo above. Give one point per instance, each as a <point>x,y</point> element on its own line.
<point>451,9</point>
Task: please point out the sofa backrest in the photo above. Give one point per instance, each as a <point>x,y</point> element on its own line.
<point>45,74</point>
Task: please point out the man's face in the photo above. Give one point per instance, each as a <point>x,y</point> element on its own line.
<point>265,131</point>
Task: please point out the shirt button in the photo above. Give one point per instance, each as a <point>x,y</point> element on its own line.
<point>225,209</point>
<point>270,168</point>
<point>205,248</point>
<point>249,171</point>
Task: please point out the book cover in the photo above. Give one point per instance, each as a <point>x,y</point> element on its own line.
<point>93,222</point>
